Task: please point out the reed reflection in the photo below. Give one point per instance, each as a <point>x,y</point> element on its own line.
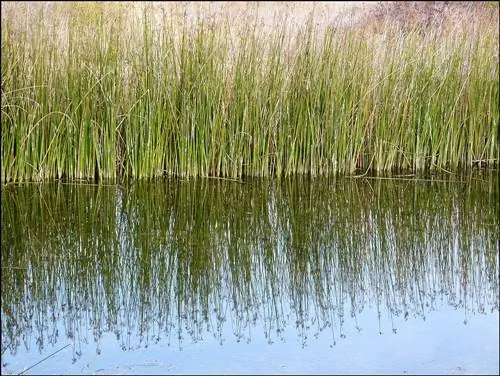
<point>177,261</point>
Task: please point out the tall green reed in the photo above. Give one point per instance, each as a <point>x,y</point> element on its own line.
<point>87,94</point>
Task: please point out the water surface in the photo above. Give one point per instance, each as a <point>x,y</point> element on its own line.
<point>212,276</point>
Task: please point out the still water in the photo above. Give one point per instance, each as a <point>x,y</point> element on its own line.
<point>336,275</point>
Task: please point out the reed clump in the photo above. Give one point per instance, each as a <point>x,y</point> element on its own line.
<point>89,92</point>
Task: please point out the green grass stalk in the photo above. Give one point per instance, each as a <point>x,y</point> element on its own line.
<point>86,94</point>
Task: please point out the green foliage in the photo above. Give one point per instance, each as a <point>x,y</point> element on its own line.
<point>96,96</point>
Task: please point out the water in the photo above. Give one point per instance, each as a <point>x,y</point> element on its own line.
<point>213,276</point>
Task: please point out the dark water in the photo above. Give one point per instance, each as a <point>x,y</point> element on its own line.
<point>213,276</point>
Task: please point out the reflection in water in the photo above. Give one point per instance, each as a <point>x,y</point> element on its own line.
<point>176,261</point>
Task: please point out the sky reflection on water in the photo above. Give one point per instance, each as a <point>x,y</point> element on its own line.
<point>324,276</point>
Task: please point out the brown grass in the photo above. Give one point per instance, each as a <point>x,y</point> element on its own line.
<point>373,18</point>
<point>427,15</point>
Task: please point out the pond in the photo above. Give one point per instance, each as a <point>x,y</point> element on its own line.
<point>340,275</point>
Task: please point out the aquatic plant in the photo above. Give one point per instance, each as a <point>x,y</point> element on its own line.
<point>90,92</point>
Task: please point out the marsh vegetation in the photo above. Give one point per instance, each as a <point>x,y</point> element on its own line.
<point>89,92</point>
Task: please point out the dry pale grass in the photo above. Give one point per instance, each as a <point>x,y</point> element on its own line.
<point>264,18</point>
<point>267,16</point>
<point>431,15</point>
